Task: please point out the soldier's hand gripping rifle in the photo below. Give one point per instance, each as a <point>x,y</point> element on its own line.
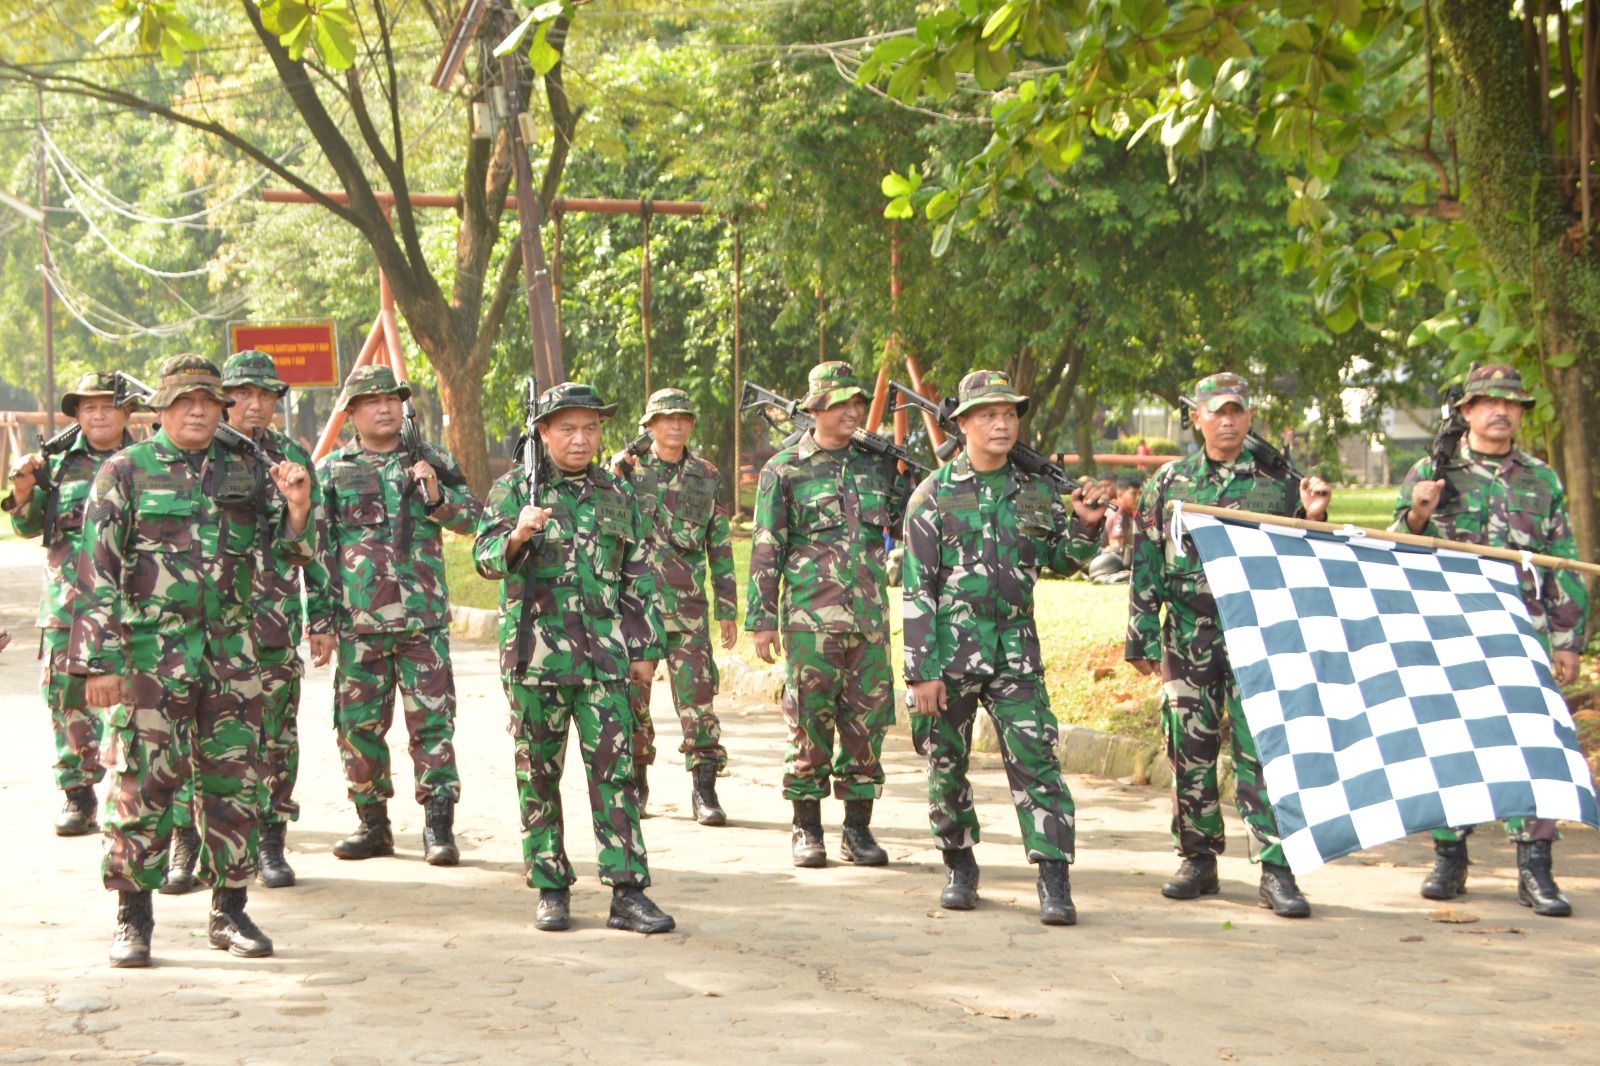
<point>1021,456</point>
<point>1447,442</point>
<point>766,402</point>
<point>634,450</point>
<point>59,444</point>
<point>530,460</point>
<point>1265,454</point>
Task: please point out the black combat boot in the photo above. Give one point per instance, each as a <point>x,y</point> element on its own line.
<point>1280,894</point>
<point>181,862</point>
<point>1055,894</point>
<point>231,929</point>
<point>707,811</point>
<point>1196,877</point>
<point>641,779</point>
<point>807,842</point>
<point>1536,886</point>
<point>130,944</point>
<point>858,845</point>
<point>554,912</point>
<point>372,837</point>
<point>77,813</point>
<point>1448,878</point>
<point>438,836</point>
<point>271,867</point>
<point>961,880</point>
<point>634,911</point>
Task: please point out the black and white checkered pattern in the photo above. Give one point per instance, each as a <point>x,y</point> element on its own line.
<point>1389,689</point>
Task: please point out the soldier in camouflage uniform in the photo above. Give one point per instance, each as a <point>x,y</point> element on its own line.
<point>57,517</point>
<point>822,508</point>
<point>1503,497</point>
<point>678,493</point>
<point>569,645</point>
<point>175,537</point>
<point>379,596</point>
<point>977,533</point>
<point>250,378</point>
<point>1187,648</point>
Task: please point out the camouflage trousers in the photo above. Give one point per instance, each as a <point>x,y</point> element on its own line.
<point>604,720</point>
<point>1020,708</point>
<point>190,715</point>
<point>281,670</point>
<point>692,673</point>
<point>835,685</point>
<point>370,667</point>
<point>1199,688</point>
<point>78,727</point>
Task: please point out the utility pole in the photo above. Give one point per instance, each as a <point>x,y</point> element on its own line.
<point>44,271</point>
<point>547,360</point>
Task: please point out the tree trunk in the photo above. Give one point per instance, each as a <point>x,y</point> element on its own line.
<point>1518,214</point>
<point>1023,370</point>
<point>1085,431</point>
<point>1060,384</point>
<point>461,396</point>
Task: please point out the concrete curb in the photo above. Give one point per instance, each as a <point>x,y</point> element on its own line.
<point>474,623</point>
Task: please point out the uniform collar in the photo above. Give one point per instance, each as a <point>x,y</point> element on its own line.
<point>961,470</point>
<point>166,449</point>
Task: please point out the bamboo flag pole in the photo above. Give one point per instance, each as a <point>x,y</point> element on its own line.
<point>1413,539</point>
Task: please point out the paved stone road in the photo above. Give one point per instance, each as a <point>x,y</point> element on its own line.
<point>391,960</point>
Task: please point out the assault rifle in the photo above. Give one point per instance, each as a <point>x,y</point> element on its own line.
<point>1021,456</point>
<point>765,402</point>
<point>1447,441</point>
<point>411,448</point>
<point>59,444</point>
<point>637,448</point>
<point>530,458</point>
<point>1258,446</point>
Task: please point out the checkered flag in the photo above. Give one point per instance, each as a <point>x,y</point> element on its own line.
<point>1389,689</point>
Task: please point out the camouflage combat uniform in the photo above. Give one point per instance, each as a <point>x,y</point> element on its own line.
<point>78,728</point>
<point>593,613</point>
<point>1198,684</point>
<point>975,543</point>
<point>689,530</point>
<point>390,610</point>
<point>1511,501</point>
<point>165,581</point>
<point>820,519</point>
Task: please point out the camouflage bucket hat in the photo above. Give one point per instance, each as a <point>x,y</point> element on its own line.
<point>667,402</point>
<point>831,383</point>
<point>186,373</point>
<point>374,379</point>
<point>94,383</point>
<point>251,367</point>
<point>570,394</point>
<point>1496,379</point>
<point>1219,389</point>
<point>987,386</point>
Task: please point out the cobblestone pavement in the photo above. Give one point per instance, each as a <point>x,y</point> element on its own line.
<point>391,960</point>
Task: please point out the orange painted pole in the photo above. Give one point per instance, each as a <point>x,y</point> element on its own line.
<point>935,434</point>
<point>880,392</point>
<point>330,432</point>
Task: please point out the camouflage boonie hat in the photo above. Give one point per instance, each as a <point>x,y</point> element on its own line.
<point>1496,379</point>
<point>187,373</point>
<point>987,386</point>
<point>1220,389</point>
<point>667,402</point>
<point>831,383</point>
<point>374,379</point>
<point>94,383</point>
<point>570,394</point>
<point>251,367</point>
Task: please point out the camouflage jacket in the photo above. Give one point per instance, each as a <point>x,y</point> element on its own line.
<point>1161,576</point>
<point>688,529</point>
<point>819,527</point>
<point>973,555</point>
<point>594,602</point>
<point>162,559</point>
<point>280,614</point>
<point>1517,504</point>
<point>72,473</point>
<point>362,583</point>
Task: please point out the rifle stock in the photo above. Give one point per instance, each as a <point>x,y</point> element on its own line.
<point>530,454</point>
<point>765,400</point>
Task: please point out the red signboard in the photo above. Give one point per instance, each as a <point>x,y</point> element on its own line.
<point>306,352</point>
